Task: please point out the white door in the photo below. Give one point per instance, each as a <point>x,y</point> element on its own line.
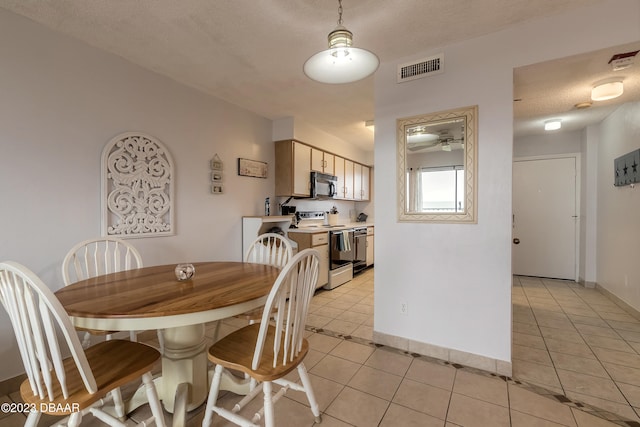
<point>545,218</point>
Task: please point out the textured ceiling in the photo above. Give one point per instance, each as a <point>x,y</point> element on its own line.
<point>250,52</point>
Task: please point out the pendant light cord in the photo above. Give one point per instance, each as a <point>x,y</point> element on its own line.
<point>339,12</point>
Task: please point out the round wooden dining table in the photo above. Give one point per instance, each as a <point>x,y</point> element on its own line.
<point>153,298</point>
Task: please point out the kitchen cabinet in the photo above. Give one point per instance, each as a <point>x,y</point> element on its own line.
<point>293,169</point>
<point>348,179</point>
<point>295,160</point>
<point>339,173</point>
<point>320,242</point>
<point>361,176</point>
<point>370,246</point>
<point>322,161</point>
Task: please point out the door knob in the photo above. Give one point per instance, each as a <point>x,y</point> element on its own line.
<point>516,241</point>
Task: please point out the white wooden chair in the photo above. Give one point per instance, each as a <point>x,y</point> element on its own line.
<point>267,351</point>
<point>268,248</point>
<point>98,256</point>
<point>85,381</point>
<point>271,249</point>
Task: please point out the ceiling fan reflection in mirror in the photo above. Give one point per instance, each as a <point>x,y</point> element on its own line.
<point>421,139</point>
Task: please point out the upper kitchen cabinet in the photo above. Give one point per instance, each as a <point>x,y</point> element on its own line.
<point>348,180</point>
<point>293,169</point>
<point>322,161</point>
<point>295,161</point>
<point>361,176</point>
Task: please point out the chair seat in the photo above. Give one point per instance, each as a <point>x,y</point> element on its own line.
<point>235,351</point>
<point>114,363</point>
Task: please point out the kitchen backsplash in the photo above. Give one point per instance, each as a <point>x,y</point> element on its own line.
<point>347,210</point>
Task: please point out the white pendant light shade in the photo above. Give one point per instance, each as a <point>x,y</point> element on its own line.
<point>341,63</point>
<point>607,91</point>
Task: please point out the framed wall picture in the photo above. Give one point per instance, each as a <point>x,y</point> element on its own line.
<point>253,168</point>
<point>216,163</point>
<point>216,176</point>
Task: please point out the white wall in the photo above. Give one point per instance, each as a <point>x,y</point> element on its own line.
<point>618,225</point>
<point>589,206</point>
<point>457,278</point>
<point>548,144</point>
<point>62,101</point>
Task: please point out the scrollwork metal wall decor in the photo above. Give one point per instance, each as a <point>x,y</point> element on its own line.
<point>137,187</point>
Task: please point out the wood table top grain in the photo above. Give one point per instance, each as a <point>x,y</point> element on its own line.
<point>153,292</point>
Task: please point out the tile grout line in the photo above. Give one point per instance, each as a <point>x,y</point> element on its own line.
<point>606,415</point>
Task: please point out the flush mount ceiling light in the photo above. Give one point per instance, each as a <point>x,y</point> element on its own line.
<point>553,124</point>
<point>605,91</point>
<point>341,63</point>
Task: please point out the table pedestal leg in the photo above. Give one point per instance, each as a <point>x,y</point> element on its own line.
<point>184,361</point>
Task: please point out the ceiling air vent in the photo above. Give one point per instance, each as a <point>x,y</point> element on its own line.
<point>421,68</point>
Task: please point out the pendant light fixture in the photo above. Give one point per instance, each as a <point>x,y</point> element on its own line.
<point>341,63</point>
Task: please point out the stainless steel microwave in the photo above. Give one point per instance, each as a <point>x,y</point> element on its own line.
<point>323,186</point>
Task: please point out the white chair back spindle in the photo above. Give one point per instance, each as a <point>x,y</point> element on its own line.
<point>37,316</point>
<point>288,303</point>
<point>269,248</point>
<point>44,333</point>
<point>99,256</point>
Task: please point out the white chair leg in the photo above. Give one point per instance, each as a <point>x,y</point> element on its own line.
<point>268,404</point>
<point>86,340</point>
<point>118,404</point>
<point>306,383</point>
<point>154,402</point>
<point>216,332</point>
<point>32,419</point>
<point>74,419</point>
<point>133,336</point>
<point>213,396</point>
<point>161,340</point>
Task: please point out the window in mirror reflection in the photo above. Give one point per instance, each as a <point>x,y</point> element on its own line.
<point>436,189</point>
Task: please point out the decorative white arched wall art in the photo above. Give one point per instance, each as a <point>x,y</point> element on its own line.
<point>137,187</point>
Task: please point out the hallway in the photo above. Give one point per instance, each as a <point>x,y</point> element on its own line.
<point>577,342</point>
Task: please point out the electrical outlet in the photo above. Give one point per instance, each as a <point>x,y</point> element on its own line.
<point>404,308</point>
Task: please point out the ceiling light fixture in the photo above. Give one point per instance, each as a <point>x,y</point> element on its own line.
<point>341,63</point>
<point>605,91</point>
<point>553,124</point>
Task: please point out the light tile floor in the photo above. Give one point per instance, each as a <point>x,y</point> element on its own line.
<point>360,384</point>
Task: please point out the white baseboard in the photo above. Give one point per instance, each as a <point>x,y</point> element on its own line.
<point>498,367</point>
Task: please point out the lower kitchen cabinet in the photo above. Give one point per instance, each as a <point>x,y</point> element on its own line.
<point>319,242</point>
<point>369,246</point>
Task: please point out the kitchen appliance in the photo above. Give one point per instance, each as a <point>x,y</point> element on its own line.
<point>341,250</point>
<point>323,186</point>
<point>359,249</point>
<point>362,217</point>
<point>287,210</point>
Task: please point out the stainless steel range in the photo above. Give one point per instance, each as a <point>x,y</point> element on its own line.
<point>342,246</point>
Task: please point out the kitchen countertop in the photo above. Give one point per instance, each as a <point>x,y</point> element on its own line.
<point>322,228</point>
